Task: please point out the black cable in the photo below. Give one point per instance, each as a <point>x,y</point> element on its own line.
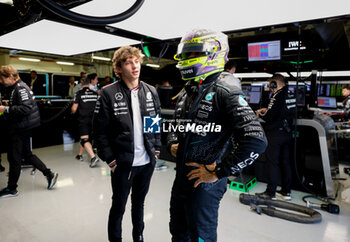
<point>57,114</point>
<point>161,54</point>
<point>90,20</point>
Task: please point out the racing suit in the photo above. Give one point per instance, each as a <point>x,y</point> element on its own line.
<point>214,112</point>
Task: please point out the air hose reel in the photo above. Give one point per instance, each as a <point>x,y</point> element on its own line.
<point>300,214</point>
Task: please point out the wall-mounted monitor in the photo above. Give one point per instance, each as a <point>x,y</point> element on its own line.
<point>264,51</point>
<point>326,102</point>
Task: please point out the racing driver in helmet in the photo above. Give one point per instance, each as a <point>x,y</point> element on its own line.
<point>221,135</point>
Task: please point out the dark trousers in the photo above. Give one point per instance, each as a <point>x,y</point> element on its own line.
<point>194,211</point>
<point>19,148</point>
<point>123,180</point>
<point>278,156</point>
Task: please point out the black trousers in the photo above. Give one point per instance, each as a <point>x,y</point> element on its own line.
<point>194,211</point>
<point>278,158</point>
<point>123,180</point>
<point>19,147</point>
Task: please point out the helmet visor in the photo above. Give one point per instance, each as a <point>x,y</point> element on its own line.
<point>185,49</point>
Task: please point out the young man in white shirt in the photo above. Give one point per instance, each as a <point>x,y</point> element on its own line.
<point>129,150</point>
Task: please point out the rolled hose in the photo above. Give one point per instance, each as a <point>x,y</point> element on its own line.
<point>307,215</point>
<point>90,20</point>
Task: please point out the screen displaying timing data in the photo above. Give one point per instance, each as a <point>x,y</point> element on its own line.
<point>264,51</point>
<point>326,102</point>
<point>252,94</point>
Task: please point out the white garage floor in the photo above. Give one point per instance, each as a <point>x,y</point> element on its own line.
<point>77,208</point>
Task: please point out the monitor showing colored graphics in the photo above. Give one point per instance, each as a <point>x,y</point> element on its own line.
<point>264,51</point>
<point>326,102</point>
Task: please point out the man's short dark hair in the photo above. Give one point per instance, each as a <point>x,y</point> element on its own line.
<point>230,64</point>
<point>278,77</point>
<point>91,77</point>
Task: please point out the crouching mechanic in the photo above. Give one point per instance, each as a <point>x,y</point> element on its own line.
<point>131,153</point>
<point>213,112</point>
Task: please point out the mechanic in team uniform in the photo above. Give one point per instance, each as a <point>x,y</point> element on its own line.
<point>278,117</point>
<point>84,104</point>
<point>23,115</point>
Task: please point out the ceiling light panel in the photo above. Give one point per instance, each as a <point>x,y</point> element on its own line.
<point>60,39</point>
<point>171,19</point>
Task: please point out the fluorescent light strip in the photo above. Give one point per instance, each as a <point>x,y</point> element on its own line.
<point>6,2</point>
<point>28,59</point>
<point>101,58</point>
<point>253,75</point>
<point>334,73</point>
<point>65,63</point>
<point>153,65</point>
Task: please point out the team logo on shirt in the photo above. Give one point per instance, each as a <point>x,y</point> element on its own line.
<point>242,101</point>
<point>209,96</point>
<point>118,96</point>
<point>151,124</point>
<point>149,96</point>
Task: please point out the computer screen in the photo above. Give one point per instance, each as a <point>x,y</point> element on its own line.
<point>264,51</point>
<point>326,102</point>
<point>300,96</point>
<point>252,94</point>
<point>324,90</point>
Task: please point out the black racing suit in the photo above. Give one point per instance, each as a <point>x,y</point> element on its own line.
<point>23,116</point>
<point>114,136</point>
<point>220,107</point>
<point>278,118</point>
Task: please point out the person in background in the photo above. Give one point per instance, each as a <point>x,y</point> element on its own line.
<point>78,87</point>
<point>37,85</point>
<point>278,117</point>
<point>106,81</point>
<point>346,103</point>
<point>229,69</point>
<point>84,105</point>
<point>201,167</point>
<point>23,114</point>
<point>129,151</point>
<point>72,85</point>
<point>93,82</point>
